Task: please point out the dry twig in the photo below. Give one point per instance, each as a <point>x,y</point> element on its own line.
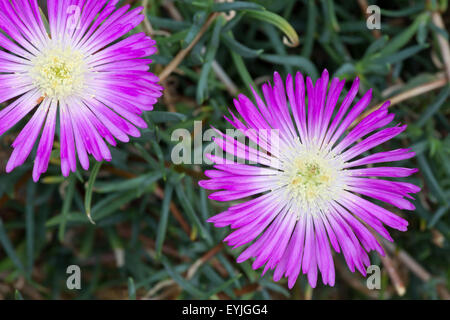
<point>183,53</point>
<point>421,89</point>
<point>443,43</point>
<point>415,268</point>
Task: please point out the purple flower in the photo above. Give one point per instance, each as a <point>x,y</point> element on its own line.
<point>308,190</point>
<point>76,69</point>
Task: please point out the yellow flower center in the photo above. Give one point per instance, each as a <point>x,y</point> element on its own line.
<point>59,72</point>
<point>312,178</point>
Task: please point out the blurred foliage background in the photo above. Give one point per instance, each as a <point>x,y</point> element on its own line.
<point>150,239</point>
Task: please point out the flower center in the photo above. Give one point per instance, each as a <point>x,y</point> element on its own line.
<point>312,178</point>
<point>59,72</point>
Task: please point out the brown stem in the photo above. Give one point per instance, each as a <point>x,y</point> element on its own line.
<point>175,211</point>
<point>416,268</point>
<point>421,89</point>
<point>183,53</point>
<point>393,275</point>
<point>443,43</point>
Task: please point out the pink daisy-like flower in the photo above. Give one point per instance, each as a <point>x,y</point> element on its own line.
<point>309,189</point>
<point>74,68</point>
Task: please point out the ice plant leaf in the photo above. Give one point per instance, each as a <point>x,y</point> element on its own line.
<point>236,5</point>
<point>18,295</point>
<point>68,197</point>
<point>30,223</point>
<point>8,248</point>
<point>162,227</point>
<point>131,289</point>
<point>292,39</point>
<point>304,171</point>
<point>400,40</point>
<point>75,66</point>
<point>90,189</point>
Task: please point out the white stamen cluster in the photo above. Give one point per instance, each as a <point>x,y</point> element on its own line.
<point>59,71</point>
<point>311,176</point>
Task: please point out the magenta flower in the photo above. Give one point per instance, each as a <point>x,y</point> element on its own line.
<point>308,191</point>
<point>77,70</point>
